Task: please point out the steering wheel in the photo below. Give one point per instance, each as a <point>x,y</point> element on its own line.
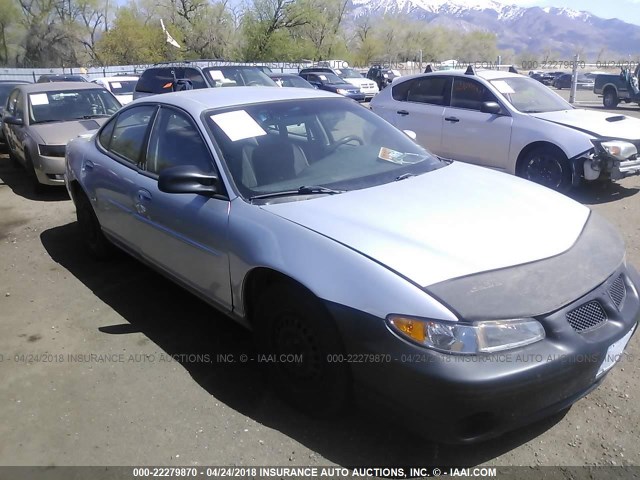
<point>344,140</point>
<point>253,84</point>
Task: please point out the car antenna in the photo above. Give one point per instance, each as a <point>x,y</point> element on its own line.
<point>470,70</point>
<point>428,69</point>
<point>513,69</point>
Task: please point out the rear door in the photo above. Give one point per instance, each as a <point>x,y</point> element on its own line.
<point>419,105</point>
<point>110,176</point>
<point>468,134</point>
<point>185,234</point>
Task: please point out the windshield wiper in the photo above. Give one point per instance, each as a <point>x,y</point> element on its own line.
<point>404,176</point>
<point>304,190</point>
<point>48,121</point>
<point>88,117</point>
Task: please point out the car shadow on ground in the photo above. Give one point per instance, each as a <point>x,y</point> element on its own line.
<point>190,330</point>
<point>594,193</point>
<point>15,177</point>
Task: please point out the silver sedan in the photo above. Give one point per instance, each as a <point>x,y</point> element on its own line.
<point>459,297</point>
<point>41,118</point>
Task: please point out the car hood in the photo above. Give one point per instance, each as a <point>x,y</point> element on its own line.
<point>344,86</point>
<point>59,133</point>
<point>448,223</point>
<point>597,124</point>
<point>124,99</point>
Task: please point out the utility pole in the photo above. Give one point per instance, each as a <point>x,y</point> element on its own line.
<point>574,79</point>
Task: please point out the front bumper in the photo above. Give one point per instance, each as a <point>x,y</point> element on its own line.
<point>470,398</point>
<point>49,170</point>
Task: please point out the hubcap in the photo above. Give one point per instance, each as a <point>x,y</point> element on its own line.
<point>292,337</point>
<point>545,170</point>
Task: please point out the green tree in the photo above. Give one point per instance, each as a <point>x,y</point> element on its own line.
<point>265,28</point>
<point>133,39</point>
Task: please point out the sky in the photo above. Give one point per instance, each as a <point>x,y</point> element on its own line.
<point>625,10</point>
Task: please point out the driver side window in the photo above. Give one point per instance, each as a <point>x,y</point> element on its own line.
<point>175,141</point>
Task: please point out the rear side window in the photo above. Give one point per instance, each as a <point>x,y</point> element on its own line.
<point>431,90</point>
<point>160,80</point>
<point>107,133</point>
<point>129,133</point>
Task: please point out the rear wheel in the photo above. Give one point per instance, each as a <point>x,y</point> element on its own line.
<point>547,166</point>
<point>302,340</point>
<point>610,99</point>
<point>90,229</point>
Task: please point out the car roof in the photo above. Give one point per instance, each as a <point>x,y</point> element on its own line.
<point>484,74</point>
<point>282,75</point>
<point>58,86</point>
<point>16,81</point>
<point>205,98</point>
<point>117,79</point>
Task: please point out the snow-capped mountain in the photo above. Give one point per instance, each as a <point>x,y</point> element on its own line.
<point>561,30</point>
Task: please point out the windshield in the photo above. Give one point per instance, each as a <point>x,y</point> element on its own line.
<point>330,79</point>
<point>293,81</point>
<point>60,106</point>
<point>331,143</point>
<point>529,96</point>
<point>239,77</point>
<point>123,87</point>
<point>348,73</point>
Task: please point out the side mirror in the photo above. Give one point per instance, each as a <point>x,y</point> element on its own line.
<point>187,179</point>
<point>490,107</point>
<point>11,120</point>
<point>411,134</point>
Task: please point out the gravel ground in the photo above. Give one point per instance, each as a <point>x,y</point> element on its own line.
<point>143,400</point>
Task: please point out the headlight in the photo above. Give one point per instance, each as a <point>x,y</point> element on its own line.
<point>618,149</point>
<point>52,150</point>
<point>342,91</point>
<point>480,337</point>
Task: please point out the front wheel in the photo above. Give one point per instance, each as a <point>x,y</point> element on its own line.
<point>610,99</point>
<point>307,367</point>
<point>547,166</point>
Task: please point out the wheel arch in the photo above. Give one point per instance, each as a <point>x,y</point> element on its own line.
<point>609,86</point>
<point>258,280</point>
<point>532,146</point>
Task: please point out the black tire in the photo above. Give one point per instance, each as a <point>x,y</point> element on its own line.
<point>95,241</point>
<point>37,187</point>
<point>548,166</point>
<point>610,99</point>
<point>13,158</point>
<point>290,320</point>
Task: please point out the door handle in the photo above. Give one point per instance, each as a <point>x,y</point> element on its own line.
<point>87,165</point>
<point>402,112</point>
<point>143,195</point>
<point>452,119</point>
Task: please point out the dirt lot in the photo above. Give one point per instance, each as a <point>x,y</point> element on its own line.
<point>132,403</point>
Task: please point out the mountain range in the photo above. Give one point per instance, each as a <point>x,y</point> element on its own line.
<point>534,29</point>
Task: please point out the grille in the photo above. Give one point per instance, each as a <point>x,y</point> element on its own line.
<point>617,291</point>
<point>586,316</point>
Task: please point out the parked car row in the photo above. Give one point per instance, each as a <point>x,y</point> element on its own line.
<point>514,124</point>
<point>227,191</point>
